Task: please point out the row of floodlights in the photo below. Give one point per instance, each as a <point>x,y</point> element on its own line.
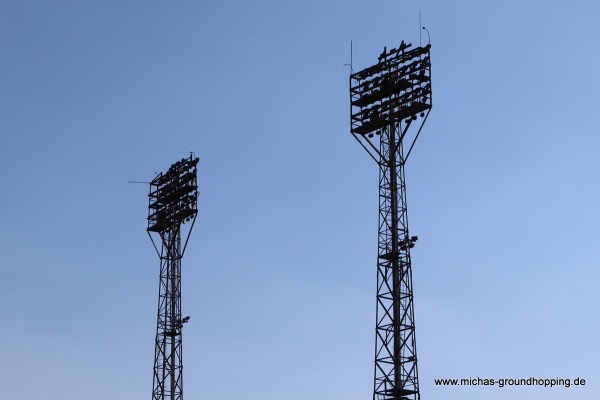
<point>165,210</point>
<point>391,87</point>
<point>364,125</point>
<point>408,72</point>
<point>398,56</point>
<point>420,94</point>
<point>160,221</point>
<point>408,121</point>
<point>180,167</point>
<point>178,187</point>
<point>187,201</point>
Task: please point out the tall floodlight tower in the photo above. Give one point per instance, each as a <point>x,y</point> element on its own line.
<point>389,103</point>
<point>173,203</point>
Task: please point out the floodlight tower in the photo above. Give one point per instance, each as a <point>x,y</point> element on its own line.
<point>389,103</point>
<point>172,203</point>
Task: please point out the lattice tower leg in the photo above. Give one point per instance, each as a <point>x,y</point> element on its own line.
<point>395,346</point>
<point>168,367</point>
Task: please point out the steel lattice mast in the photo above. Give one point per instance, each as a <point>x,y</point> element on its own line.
<point>172,203</point>
<point>389,101</point>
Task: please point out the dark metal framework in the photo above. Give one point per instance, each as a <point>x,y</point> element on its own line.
<point>387,99</point>
<point>172,203</point>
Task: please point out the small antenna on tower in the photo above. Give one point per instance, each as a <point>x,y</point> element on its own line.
<point>420,26</point>
<point>350,65</point>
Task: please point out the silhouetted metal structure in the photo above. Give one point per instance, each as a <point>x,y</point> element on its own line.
<point>172,203</point>
<point>390,102</point>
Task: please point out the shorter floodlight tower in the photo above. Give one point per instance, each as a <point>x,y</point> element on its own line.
<point>386,100</point>
<point>173,202</point>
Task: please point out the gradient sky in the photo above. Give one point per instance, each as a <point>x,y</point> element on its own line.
<point>279,277</point>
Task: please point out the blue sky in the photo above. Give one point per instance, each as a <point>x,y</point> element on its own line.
<point>279,277</point>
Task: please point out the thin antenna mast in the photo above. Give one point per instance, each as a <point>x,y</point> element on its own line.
<point>350,65</point>
<point>420,25</point>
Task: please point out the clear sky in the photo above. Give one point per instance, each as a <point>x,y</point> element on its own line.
<point>279,277</point>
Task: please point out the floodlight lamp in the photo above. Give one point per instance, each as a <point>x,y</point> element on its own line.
<point>414,238</point>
